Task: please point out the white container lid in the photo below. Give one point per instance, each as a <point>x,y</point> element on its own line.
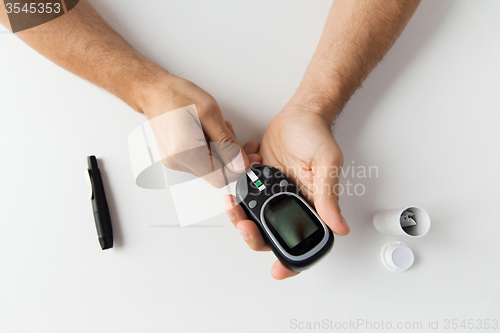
<point>397,256</point>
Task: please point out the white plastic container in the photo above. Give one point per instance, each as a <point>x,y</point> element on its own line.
<point>410,221</point>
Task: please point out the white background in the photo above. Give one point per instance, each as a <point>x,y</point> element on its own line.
<point>427,117</point>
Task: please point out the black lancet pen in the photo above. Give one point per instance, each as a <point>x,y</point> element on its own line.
<point>99,205</point>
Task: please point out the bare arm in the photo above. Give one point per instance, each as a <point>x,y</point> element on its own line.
<point>356,36</point>
<point>84,44</point>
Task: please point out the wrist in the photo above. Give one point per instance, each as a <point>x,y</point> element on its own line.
<point>149,82</point>
<point>327,89</point>
<point>315,98</point>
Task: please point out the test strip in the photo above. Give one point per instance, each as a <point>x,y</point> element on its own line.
<point>257,182</point>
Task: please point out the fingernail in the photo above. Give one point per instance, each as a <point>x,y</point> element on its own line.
<point>238,163</point>
<point>227,199</point>
<point>231,215</point>
<point>244,234</point>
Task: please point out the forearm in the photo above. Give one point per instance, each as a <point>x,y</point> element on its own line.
<point>83,43</point>
<point>357,34</point>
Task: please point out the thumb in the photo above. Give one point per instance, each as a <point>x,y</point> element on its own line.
<point>327,169</point>
<point>224,144</point>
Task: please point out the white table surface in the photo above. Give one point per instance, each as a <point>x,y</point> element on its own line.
<point>427,117</point>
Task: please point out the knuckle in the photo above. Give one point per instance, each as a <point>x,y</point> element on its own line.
<point>226,141</point>
<point>208,107</point>
<point>226,147</point>
<point>227,144</point>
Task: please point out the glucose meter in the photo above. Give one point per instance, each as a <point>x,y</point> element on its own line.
<point>290,226</point>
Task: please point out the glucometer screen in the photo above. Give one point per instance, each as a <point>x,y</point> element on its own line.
<point>290,220</point>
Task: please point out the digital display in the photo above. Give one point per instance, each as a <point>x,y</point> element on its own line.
<point>290,221</point>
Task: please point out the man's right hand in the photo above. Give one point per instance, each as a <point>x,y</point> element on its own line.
<point>191,133</point>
